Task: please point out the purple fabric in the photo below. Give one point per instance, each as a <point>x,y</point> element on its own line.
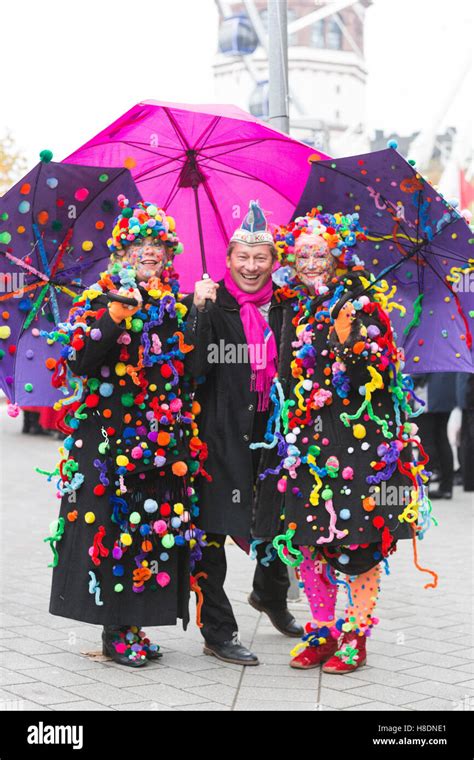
<point>74,198</point>
<point>392,199</point>
<point>238,158</point>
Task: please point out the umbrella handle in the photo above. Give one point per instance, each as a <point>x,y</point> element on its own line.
<point>122,299</point>
<point>205,276</point>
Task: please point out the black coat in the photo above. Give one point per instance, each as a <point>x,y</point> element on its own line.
<point>70,594</point>
<point>270,504</point>
<point>228,421</point>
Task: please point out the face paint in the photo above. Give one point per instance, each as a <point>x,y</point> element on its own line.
<point>148,259</point>
<point>314,262</point>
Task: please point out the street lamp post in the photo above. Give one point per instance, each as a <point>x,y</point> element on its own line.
<point>279,113</point>
<point>278,65</point>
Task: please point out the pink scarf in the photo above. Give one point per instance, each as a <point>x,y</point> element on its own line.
<point>259,336</point>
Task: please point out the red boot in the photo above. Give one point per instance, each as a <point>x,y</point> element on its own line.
<point>351,655</point>
<point>312,656</point>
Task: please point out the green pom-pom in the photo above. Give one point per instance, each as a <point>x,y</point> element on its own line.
<point>127,212</point>
<point>46,156</point>
<point>57,225</point>
<point>412,161</point>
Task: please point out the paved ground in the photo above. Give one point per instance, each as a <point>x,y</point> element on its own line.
<point>420,657</point>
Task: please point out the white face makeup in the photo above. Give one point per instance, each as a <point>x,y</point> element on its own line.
<point>314,262</point>
<point>149,260</point>
<point>250,266</point>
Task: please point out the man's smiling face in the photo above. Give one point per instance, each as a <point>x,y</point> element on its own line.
<point>250,266</point>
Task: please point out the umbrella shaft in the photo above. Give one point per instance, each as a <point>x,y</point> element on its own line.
<point>201,236</point>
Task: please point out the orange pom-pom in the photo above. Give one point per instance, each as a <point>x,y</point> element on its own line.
<point>163,438</point>
<point>179,469</point>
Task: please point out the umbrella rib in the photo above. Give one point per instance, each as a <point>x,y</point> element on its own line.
<point>155,176</point>
<point>133,144</point>
<point>406,245</point>
<point>355,179</point>
<point>246,175</point>
<point>209,129</point>
<point>84,209</point>
<point>176,128</point>
<point>213,203</point>
<point>143,174</point>
<point>245,142</point>
<point>360,182</point>
<point>172,193</point>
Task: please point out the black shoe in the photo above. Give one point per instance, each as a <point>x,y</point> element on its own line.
<point>231,651</point>
<point>282,620</point>
<point>440,494</point>
<point>111,636</point>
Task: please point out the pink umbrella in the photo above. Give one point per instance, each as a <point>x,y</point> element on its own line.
<point>203,164</point>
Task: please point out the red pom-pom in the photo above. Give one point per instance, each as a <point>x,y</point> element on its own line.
<point>166,371</point>
<point>165,510</point>
<point>99,490</point>
<point>77,343</point>
<point>92,400</point>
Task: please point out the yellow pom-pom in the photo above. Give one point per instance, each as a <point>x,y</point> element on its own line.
<point>87,245</point>
<point>120,369</point>
<point>122,460</point>
<point>359,431</point>
<point>89,517</point>
<point>5,332</point>
<point>125,539</point>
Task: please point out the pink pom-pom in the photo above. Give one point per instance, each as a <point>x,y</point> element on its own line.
<point>162,579</point>
<point>13,410</point>
<point>348,473</point>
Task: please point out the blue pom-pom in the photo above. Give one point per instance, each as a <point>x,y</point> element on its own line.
<point>392,144</point>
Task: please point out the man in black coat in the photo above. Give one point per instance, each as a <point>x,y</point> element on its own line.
<point>234,411</point>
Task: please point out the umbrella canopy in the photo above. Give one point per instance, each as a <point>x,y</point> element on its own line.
<point>203,164</point>
<point>54,226</point>
<point>421,244</point>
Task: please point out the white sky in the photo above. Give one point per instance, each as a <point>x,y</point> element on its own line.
<point>69,69</point>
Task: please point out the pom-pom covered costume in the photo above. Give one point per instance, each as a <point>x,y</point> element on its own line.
<point>125,533</point>
<point>338,483</point>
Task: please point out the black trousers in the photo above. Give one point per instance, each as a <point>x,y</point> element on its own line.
<point>270,585</point>
<point>434,437</point>
<point>467,449</point>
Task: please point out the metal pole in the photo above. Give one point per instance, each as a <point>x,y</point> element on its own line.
<point>280,117</point>
<point>278,65</point>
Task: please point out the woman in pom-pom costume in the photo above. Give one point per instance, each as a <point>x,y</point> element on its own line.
<point>338,486</point>
<point>125,535</point>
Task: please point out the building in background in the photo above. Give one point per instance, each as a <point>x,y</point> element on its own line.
<point>328,84</point>
<point>327,72</point>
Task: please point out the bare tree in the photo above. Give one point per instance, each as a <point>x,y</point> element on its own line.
<point>12,163</point>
